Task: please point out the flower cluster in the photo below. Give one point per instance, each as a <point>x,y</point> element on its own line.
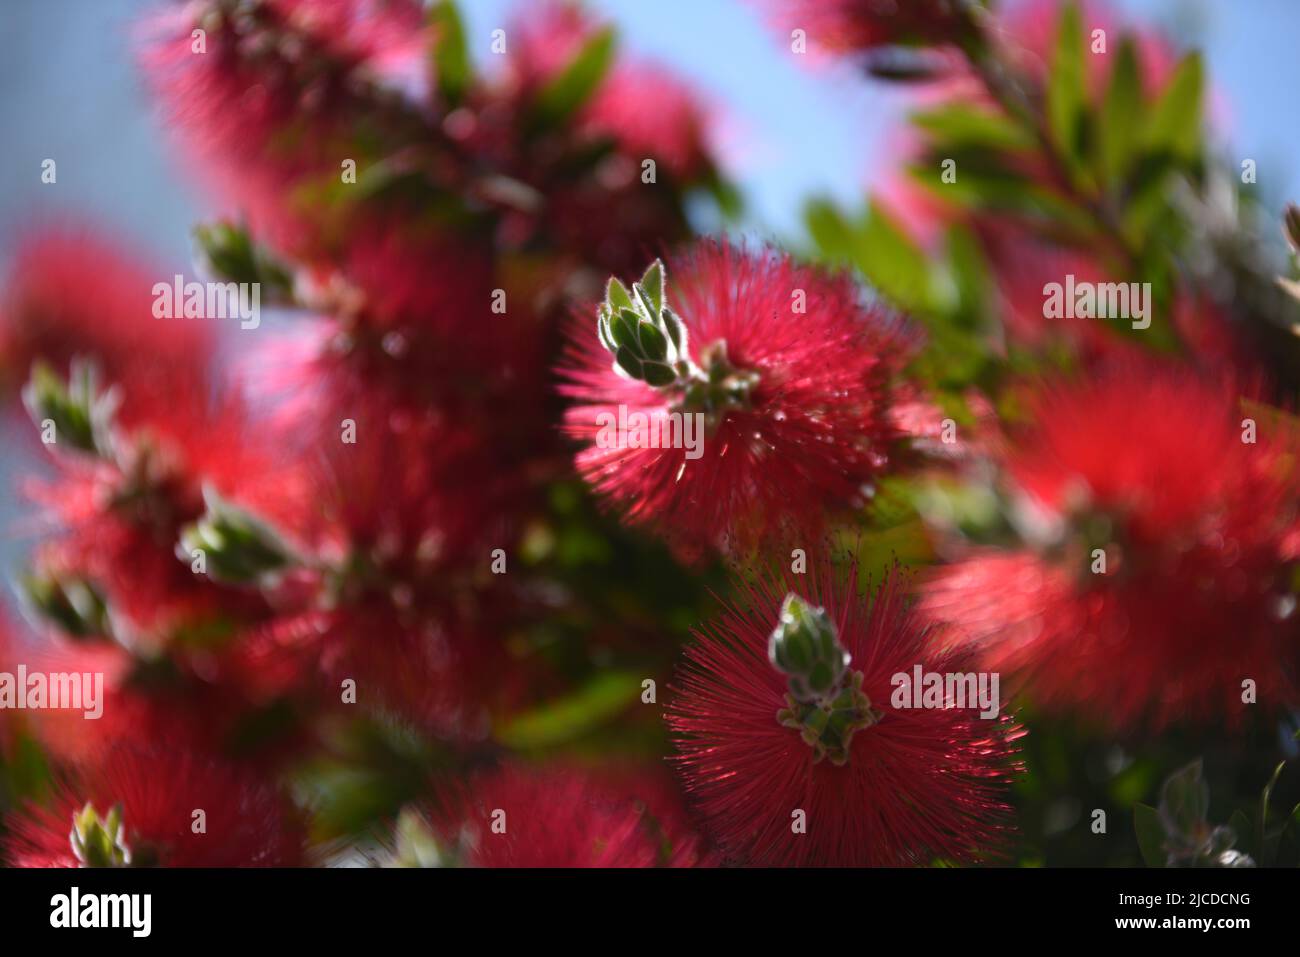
<point>533,529</point>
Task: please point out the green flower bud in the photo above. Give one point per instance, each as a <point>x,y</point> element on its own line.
<point>73,604</point>
<point>236,547</point>
<point>99,842</point>
<point>82,414</point>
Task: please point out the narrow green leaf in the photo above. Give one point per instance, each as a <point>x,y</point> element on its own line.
<point>573,87</point>
<point>829,229</point>
<point>617,296</point>
<point>628,361</point>
<point>1065,89</point>
<point>604,697</point>
<point>653,284</point>
<point>673,326</point>
<point>964,125</point>
<point>1150,835</point>
<point>451,63</point>
<point>1119,124</point>
<point>654,345</point>
<point>1175,125</point>
<point>892,262</point>
<point>623,329</point>
<point>657,374</point>
<point>603,330</point>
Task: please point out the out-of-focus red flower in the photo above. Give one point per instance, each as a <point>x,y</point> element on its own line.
<point>807,426</point>
<point>402,525</point>
<point>118,521</point>
<point>851,25</point>
<point>566,817</point>
<point>645,109</point>
<point>650,113</point>
<point>245,823</point>
<point>282,93</point>
<point>73,292</point>
<point>242,698</point>
<point>1153,468</point>
<point>917,784</point>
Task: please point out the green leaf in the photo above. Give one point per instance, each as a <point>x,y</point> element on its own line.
<point>450,52</point>
<point>623,329</point>
<point>628,361</point>
<point>675,328</point>
<point>603,330</point>
<point>892,263</point>
<point>1185,800</point>
<point>1119,126</point>
<point>830,231</point>
<point>657,374</point>
<point>605,696</point>
<point>1150,835</point>
<point>72,603</point>
<point>1175,125</point>
<point>617,296</point>
<point>1065,90</point>
<point>654,345</point>
<point>653,285</point>
<point>564,95</point>
<point>1241,828</point>
<point>970,276</point>
<point>963,125</point>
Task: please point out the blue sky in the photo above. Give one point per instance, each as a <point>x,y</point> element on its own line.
<point>70,91</point>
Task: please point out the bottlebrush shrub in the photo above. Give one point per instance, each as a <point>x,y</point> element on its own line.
<point>790,376</point>
<point>770,724</point>
<point>141,807</point>
<point>1160,542</point>
<point>556,816</point>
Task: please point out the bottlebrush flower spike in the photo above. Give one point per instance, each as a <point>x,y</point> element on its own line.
<point>771,384</point>
<point>72,292</point>
<point>902,786</point>
<point>562,817</point>
<point>1160,521</point>
<point>138,808</point>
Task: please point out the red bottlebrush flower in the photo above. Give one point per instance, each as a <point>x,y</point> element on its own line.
<point>649,111</point>
<point>410,322</point>
<point>840,26</point>
<point>282,92</point>
<point>137,808</point>
<point>202,700</point>
<point>71,292</point>
<point>645,109</point>
<point>120,510</point>
<point>404,541</point>
<point>1161,538</point>
<point>793,407</point>
<point>562,817</point>
<point>898,785</point>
